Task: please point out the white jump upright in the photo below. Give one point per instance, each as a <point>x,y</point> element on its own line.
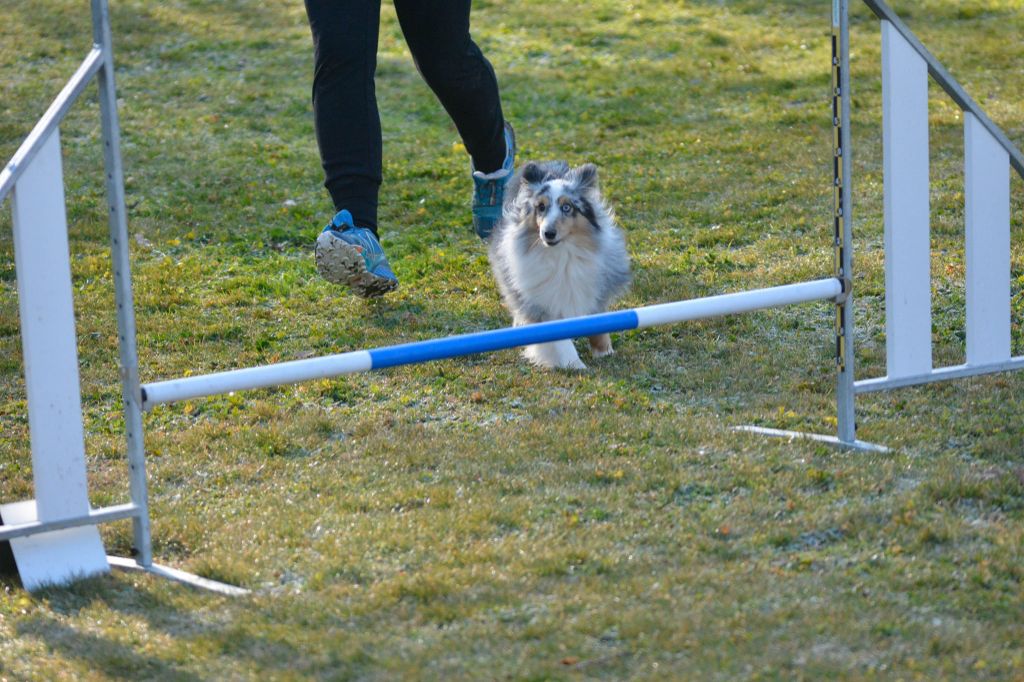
<point>987,250</point>
<point>988,157</point>
<point>46,308</point>
<point>55,537</point>
<point>908,283</point>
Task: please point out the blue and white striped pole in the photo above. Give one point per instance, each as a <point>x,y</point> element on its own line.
<point>487,341</point>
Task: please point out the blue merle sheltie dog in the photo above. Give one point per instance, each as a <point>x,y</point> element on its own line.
<point>558,253</point>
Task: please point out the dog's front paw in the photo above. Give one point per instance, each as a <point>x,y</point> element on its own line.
<point>575,364</point>
<point>554,355</point>
<point>597,353</point>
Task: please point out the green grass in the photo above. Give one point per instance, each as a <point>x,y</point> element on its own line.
<point>475,518</point>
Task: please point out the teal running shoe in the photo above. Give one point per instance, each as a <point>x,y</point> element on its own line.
<point>352,256</point>
<point>489,189</point>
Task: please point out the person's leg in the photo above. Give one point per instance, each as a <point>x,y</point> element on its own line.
<point>348,134</point>
<point>437,32</point>
<point>345,103</point>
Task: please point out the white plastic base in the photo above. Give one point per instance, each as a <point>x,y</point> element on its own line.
<point>55,558</point>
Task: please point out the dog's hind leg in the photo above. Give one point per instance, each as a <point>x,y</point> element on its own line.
<point>561,354</point>
<point>601,345</point>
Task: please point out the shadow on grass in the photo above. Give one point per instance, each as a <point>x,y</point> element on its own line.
<point>103,654</point>
<point>123,654</point>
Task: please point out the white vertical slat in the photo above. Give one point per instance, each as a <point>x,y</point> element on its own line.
<point>48,337</point>
<point>987,213</point>
<point>905,178</point>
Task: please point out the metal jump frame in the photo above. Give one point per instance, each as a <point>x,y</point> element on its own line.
<point>98,64</point>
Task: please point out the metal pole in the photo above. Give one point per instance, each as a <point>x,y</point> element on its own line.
<point>130,393</point>
<point>49,122</point>
<point>9,531</point>
<point>843,221</point>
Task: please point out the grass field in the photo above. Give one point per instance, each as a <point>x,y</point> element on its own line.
<point>475,518</point>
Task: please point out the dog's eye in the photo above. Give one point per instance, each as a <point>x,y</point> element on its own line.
<point>567,209</point>
<point>542,208</point>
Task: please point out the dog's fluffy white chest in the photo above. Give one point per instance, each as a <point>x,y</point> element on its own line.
<point>561,279</point>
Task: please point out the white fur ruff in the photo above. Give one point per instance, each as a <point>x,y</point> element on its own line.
<point>560,280</point>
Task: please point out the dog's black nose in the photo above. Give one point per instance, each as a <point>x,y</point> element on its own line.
<point>550,235</point>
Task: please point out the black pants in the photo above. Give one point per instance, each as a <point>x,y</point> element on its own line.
<point>344,98</point>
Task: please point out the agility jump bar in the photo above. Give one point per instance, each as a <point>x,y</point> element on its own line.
<point>483,342</point>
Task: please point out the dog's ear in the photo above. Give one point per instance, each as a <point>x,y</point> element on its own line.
<point>532,173</point>
<point>585,177</point>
